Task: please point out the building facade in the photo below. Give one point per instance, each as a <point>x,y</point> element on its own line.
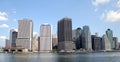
<point>86,38</point>
<point>14,37</point>
<point>77,38</point>
<point>35,43</point>
<point>109,34</point>
<point>97,43</point>
<point>7,43</point>
<point>54,41</point>
<point>38,43</point>
<point>107,46</point>
<point>65,35</point>
<point>25,33</point>
<point>115,39</point>
<point>11,31</point>
<point>45,38</point>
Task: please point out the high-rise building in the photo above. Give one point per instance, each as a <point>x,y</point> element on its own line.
<point>7,44</point>
<point>92,38</point>
<point>11,31</point>
<point>45,38</point>
<point>97,43</point>
<point>77,37</point>
<point>115,39</point>
<point>119,45</point>
<point>1,49</point>
<point>74,38</point>
<point>25,33</point>
<point>86,38</point>
<point>54,41</point>
<point>102,44</point>
<point>14,37</point>
<point>65,35</point>
<point>38,43</point>
<point>35,43</point>
<point>109,34</point>
<point>107,45</point>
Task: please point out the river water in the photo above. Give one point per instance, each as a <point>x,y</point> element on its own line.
<point>60,57</point>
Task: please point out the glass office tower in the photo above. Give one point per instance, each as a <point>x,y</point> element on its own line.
<point>65,34</point>
<point>86,38</point>
<point>109,34</point>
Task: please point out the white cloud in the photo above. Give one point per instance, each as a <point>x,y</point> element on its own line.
<point>4,26</point>
<point>2,37</point>
<point>118,3</point>
<point>3,16</point>
<point>16,30</point>
<point>34,33</point>
<point>97,2</point>
<point>113,16</point>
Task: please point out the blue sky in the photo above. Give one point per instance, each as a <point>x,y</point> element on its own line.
<point>99,15</point>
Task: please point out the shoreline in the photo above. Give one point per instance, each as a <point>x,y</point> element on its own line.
<point>81,52</point>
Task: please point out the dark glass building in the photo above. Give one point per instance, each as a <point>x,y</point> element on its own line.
<point>65,34</point>
<point>115,39</point>
<point>86,38</point>
<point>97,43</point>
<point>92,38</point>
<point>14,37</point>
<point>77,38</point>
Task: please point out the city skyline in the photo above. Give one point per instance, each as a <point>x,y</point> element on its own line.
<point>68,39</point>
<point>94,13</point>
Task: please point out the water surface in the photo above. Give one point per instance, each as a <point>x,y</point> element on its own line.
<point>61,57</point>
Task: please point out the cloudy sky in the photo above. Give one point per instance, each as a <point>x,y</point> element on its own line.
<point>99,15</point>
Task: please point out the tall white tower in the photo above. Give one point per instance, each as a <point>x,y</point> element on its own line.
<point>45,38</point>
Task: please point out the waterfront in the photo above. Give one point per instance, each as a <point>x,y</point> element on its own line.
<point>61,57</point>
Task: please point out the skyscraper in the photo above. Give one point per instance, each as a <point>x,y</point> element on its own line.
<point>107,42</point>
<point>109,34</point>
<point>11,31</point>
<point>14,37</point>
<point>45,38</point>
<point>86,38</point>
<point>54,41</point>
<point>65,34</point>
<point>38,43</point>
<point>25,33</point>
<point>93,42</point>
<point>97,43</point>
<point>77,37</point>
<point>115,40</point>
<point>7,44</point>
<point>35,43</point>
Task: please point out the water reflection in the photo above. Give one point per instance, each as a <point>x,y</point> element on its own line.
<point>48,57</point>
<point>64,58</point>
<point>58,57</point>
